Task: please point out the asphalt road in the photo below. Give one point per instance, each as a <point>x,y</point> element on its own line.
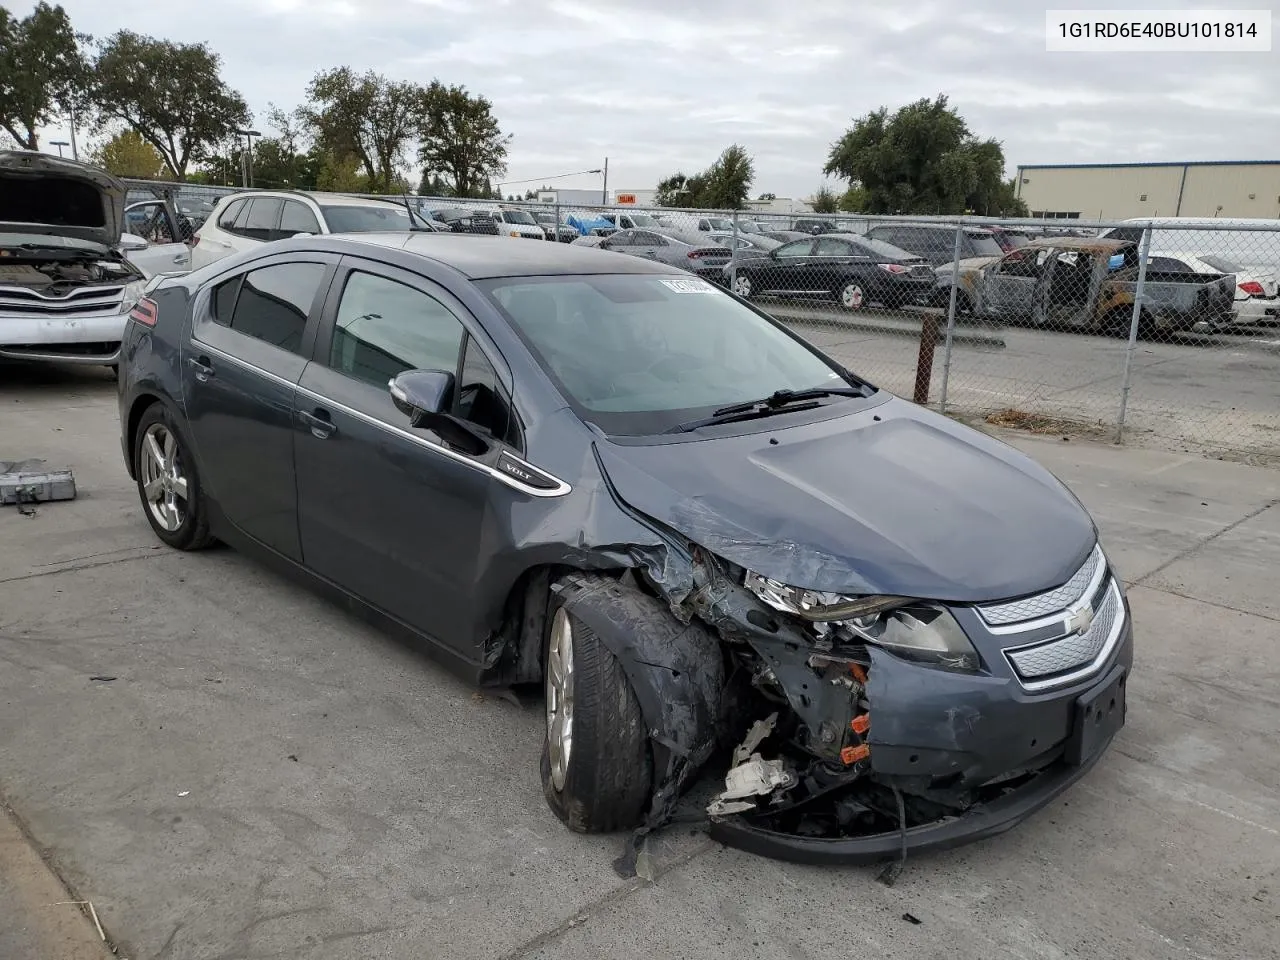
<point>267,777</point>
<point>1212,394</point>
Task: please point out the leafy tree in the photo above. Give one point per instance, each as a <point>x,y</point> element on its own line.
<point>853,200</point>
<point>824,201</point>
<point>725,185</point>
<point>172,94</point>
<point>42,70</point>
<point>921,159</point>
<point>365,116</point>
<point>432,186</point>
<point>767,196</point>
<point>341,174</point>
<point>460,140</point>
<point>128,155</point>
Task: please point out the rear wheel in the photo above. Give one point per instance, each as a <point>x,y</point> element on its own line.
<point>742,286</point>
<point>596,768</point>
<point>167,482</point>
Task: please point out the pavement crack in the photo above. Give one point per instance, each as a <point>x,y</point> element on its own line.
<point>79,566</point>
<point>1142,580</point>
<point>1212,603</point>
<point>601,904</point>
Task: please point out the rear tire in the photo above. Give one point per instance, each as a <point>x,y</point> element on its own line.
<point>601,781</point>
<point>167,482</point>
<point>852,296</point>
<point>742,286</point>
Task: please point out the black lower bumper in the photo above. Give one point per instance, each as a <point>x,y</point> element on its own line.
<point>978,823</point>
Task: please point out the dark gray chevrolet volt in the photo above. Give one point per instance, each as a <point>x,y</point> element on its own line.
<point>713,545</point>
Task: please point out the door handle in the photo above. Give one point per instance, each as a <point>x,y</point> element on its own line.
<point>180,258</point>
<point>321,424</point>
<point>202,367</point>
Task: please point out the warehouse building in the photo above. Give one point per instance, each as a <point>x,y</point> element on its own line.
<point>1117,191</point>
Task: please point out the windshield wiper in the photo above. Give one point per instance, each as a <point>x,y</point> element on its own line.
<point>780,401</point>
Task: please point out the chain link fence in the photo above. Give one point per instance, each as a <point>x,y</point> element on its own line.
<point>1152,331</point>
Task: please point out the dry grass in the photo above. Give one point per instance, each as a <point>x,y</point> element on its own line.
<point>1011,418</point>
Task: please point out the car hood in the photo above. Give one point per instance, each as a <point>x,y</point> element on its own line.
<point>40,194</point>
<point>893,499</point>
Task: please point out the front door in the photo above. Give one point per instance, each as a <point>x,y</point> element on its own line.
<point>388,511</point>
<point>785,269</point>
<point>1009,285</point>
<point>166,254</point>
<point>249,341</point>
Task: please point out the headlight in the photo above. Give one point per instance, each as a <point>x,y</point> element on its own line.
<point>133,292</point>
<point>515,233</point>
<point>912,629</point>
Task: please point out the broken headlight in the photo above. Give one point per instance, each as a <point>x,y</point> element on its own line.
<point>911,629</point>
<point>923,632</point>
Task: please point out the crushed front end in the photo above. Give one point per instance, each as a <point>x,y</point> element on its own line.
<point>874,726</point>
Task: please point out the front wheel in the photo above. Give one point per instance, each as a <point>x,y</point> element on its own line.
<point>597,772</point>
<point>851,296</point>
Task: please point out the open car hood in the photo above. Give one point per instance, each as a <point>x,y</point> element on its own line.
<point>40,194</point>
<point>892,499</point>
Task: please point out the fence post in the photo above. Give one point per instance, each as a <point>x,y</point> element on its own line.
<point>1139,293</point>
<point>557,208</point>
<point>951,316</point>
<point>733,253</point>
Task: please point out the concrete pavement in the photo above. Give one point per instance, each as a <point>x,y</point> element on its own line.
<point>265,776</point>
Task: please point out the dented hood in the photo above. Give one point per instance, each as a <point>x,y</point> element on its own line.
<point>910,503</point>
<point>40,194</point>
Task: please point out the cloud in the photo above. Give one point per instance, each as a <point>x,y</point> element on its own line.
<point>665,85</point>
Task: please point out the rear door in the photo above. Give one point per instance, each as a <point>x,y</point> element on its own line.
<point>166,253</point>
<point>785,269</point>
<point>250,338</point>
<point>833,260</point>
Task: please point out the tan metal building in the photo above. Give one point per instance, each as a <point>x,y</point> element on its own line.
<point>1117,191</point>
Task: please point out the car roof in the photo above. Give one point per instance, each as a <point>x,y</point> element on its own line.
<point>328,199</point>
<point>482,257</point>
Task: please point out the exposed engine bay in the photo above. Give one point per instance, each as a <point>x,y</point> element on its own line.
<point>54,273</point>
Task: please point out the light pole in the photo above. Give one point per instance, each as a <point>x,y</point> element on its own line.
<point>59,144</point>
<point>247,172</point>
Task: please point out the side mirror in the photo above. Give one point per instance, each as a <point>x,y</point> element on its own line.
<point>424,396</point>
<point>131,241</point>
<point>302,233</point>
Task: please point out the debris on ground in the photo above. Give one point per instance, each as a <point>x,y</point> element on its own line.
<point>27,482</point>
<point>1012,418</point>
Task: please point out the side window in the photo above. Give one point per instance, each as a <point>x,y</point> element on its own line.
<point>1019,264</point>
<point>618,240</point>
<point>274,303</point>
<point>385,328</point>
<point>481,398</point>
<point>260,224</point>
<point>297,218</point>
<point>797,248</point>
<point>228,217</point>
<point>224,299</point>
<point>826,247</point>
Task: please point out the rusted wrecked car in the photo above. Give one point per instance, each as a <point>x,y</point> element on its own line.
<point>562,466</point>
<point>1088,285</point>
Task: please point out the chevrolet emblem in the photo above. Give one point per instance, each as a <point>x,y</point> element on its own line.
<point>1079,621</point>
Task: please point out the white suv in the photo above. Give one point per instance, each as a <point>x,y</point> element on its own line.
<point>244,221</point>
<point>517,223</point>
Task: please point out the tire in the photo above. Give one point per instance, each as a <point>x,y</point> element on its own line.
<point>742,286</point>
<point>168,485</point>
<point>606,781</point>
<point>852,296</point>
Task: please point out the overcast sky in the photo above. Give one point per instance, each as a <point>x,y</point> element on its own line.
<point>664,85</point>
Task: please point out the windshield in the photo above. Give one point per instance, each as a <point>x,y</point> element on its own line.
<point>719,223</point>
<point>518,216</point>
<point>644,220</point>
<point>984,245</point>
<point>352,219</point>
<point>639,354</point>
<point>546,217</point>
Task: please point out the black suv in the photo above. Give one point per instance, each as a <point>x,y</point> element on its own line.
<point>935,243</point>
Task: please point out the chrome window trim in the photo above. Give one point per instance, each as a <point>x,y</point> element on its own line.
<point>559,490</point>
<point>1086,670</point>
<point>1058,616</point>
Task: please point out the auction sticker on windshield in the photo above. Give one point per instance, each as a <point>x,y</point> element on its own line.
<point>689,286</point>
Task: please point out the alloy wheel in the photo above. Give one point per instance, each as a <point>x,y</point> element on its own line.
<point>560,697</point>
<point>742,286</point>
<point>851,297</point>
<point>163,482</point>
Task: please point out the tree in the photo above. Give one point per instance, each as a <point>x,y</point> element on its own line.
<point>362,116</point>
<point>921,159</point>
<point>460,139</point>
<point>432,186</point>
<point>824,201</point>
<point>724,185</point>
<point>42,70</point>
<point>128,155</point>
<point>853,200</point>
<point>171,93</point>
<point>767,196</point>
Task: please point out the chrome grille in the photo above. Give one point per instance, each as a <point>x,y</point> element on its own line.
<point>1057,659</point>
<point>1048,603</point>
<point>82,300</point>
